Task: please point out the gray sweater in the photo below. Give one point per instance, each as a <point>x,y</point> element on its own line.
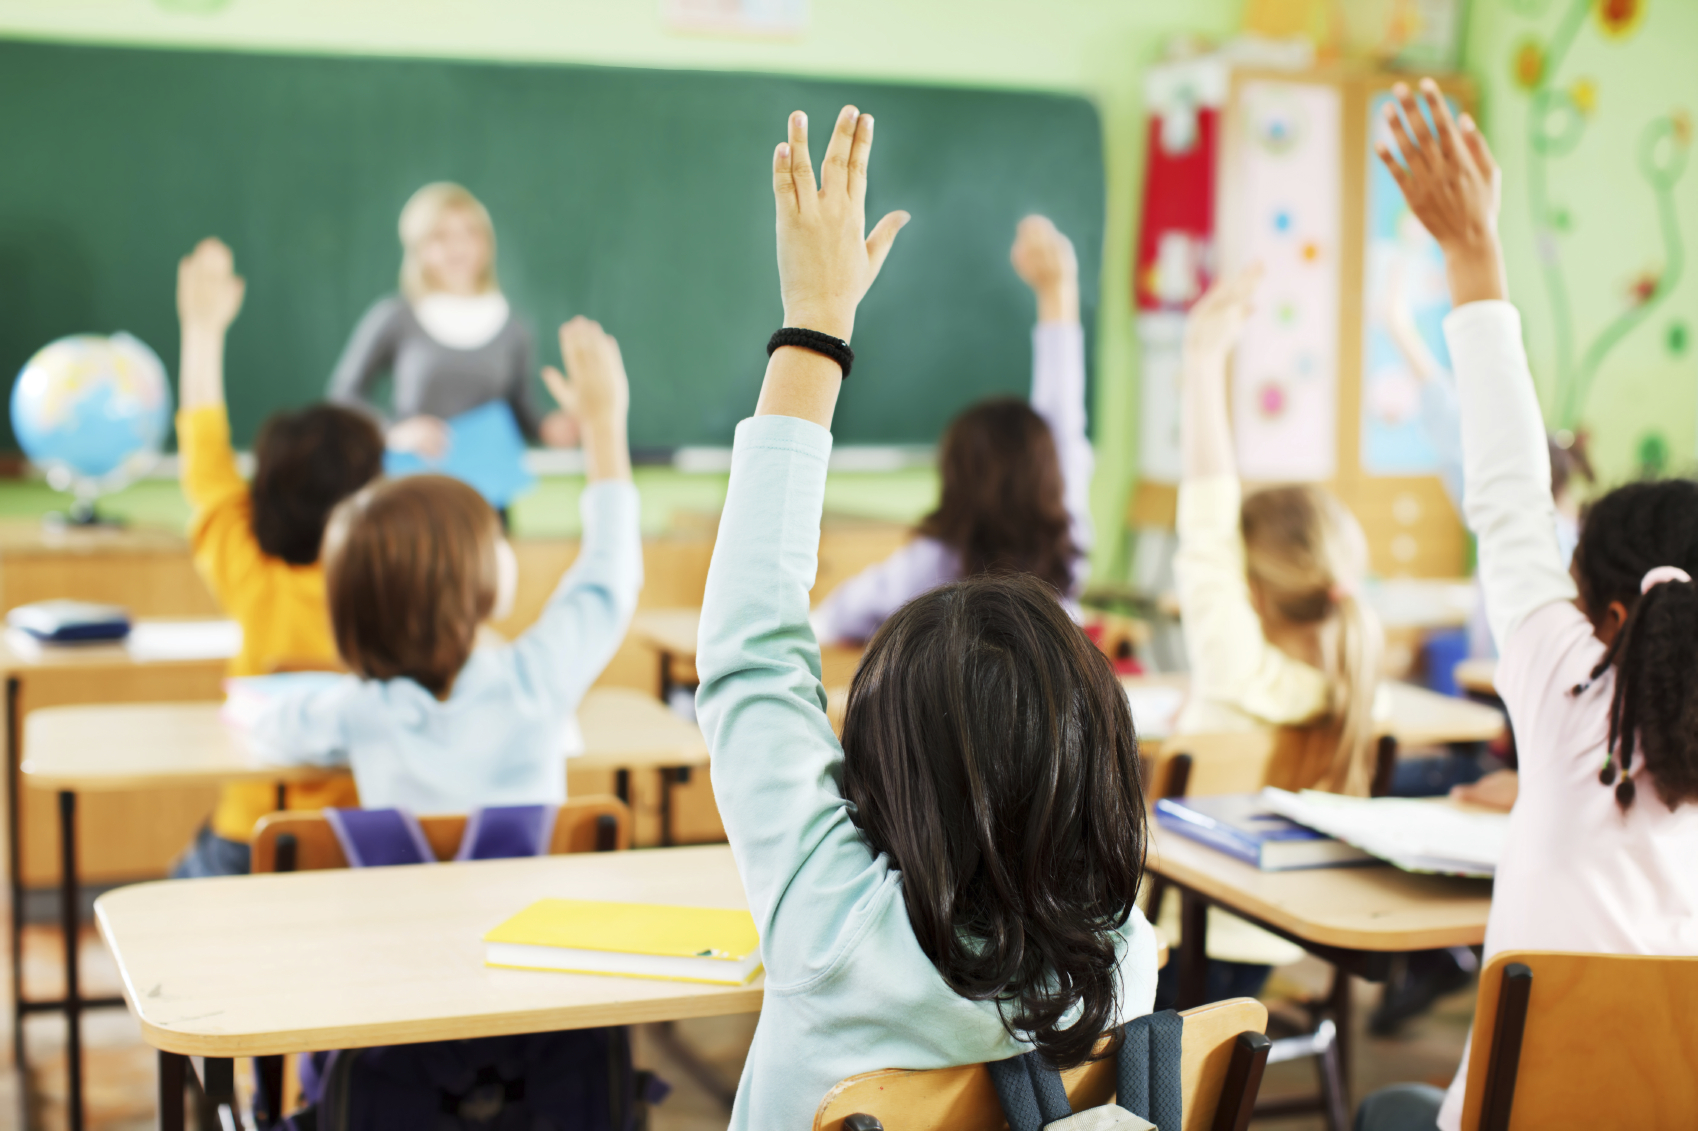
<point>431,378</point>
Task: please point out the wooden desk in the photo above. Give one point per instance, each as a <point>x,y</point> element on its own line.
<point>1419,717</point>
<point>151,825</point>
<point>1478,677</point>
<point>116,748</point>
<point>1356,918</point>
<point>208,972</point>
<point>671,635</point>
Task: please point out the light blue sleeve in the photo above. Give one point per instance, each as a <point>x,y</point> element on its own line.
<point>306,725</point>
<point>777,767</point>
<point>580,628</point>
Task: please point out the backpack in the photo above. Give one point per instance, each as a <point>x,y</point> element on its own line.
<point>1146,1075</point>
<point>576,1080</point>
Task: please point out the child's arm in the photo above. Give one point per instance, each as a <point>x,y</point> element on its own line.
<point>1044,259</point>
<point>776,763</point>
<point>1231,660</point>
<point>209,296</point>
<point>584,621</point>
<point>296,726</point>
<point>1448,177</point>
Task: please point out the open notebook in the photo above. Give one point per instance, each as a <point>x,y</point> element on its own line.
<point>1415,834</point>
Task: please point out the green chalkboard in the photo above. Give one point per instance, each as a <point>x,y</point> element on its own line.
<point>641,198</point>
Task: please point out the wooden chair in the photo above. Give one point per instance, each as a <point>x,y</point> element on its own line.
<point>1220,1071</point>
<point>1203,765</point>
<point>303,841</point>
<point>1563,1040</point>
<point>294,841</point>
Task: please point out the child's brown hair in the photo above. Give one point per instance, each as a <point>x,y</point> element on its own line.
<point>988,749</point>
<point>305,463</point>
<point>1002,505</point>
<point>410,573</point>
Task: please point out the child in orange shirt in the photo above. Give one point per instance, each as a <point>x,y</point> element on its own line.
<point>256,544</point>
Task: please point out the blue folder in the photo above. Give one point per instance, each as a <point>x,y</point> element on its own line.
<point>485,449</point>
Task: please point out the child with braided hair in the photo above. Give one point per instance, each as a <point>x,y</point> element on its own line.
<point>1599,666</point>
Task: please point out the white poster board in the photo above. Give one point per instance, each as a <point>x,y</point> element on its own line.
<point>1283,203</point>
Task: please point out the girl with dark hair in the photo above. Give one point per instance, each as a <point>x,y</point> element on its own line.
<point>955,882</point>
<point>1016,477</point>
<point>1599,662</point>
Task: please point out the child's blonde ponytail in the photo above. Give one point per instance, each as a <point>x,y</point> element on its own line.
<point>1306,556</point>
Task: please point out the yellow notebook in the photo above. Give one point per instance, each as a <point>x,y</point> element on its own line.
<point>637,940</point>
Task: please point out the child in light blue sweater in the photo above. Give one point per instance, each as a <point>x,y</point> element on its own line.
<point>412,568</point>
<point>955,882</point>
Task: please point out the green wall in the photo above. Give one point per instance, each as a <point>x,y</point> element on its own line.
<point>1597,251</point>
<point>1097,48</point>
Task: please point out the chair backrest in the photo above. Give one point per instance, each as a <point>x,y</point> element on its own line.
<point>964,1099</point>
<point>1204,765</point>
<point>1563,1039</point>
<point>303,841</point>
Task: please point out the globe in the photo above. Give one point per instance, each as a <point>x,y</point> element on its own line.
<point>92,412</point>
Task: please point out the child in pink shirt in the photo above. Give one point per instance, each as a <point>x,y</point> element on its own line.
<point>1599,665</point>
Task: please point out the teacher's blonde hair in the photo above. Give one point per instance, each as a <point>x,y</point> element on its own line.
<point>419,218</point>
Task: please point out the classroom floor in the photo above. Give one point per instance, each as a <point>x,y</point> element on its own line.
<point>120,1068</point>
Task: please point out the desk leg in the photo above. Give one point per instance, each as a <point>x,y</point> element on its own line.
<point>70,921</point>
<point>1341,1007</point>
<point>666,677</point>
<point>1193,949</point>
<point>171,1083</point>
<point>15,866</point>
<point>666,778</point>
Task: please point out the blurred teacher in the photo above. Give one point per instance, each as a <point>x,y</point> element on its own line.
<point>449,339</point>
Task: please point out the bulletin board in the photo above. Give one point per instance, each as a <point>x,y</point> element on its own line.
<point>1322,391</point>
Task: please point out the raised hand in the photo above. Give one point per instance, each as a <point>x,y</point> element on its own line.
<point>1453,186</point>
<point>1044,260</point>
<point>826,261</point>
<point>1211,331</point>
<point>1218,318</point>
<point>594,389</point>
<point>209,292</point>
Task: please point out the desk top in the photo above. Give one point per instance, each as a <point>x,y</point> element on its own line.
<point>199,642</point>
<point>1372,907</point>
<point>379,956</point>
<point>143,745</point>
<point>1419,717</point>
<point>667,630</point>
<point>1478,676</point>
<point>36,538</point>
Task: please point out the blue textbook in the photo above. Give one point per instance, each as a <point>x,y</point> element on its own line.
<point>1242,825</point>
<point>485,449</point>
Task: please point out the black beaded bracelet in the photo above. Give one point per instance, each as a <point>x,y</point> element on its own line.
<point>824,344</point>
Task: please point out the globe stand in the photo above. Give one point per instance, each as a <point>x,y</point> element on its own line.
<point>82,514</point>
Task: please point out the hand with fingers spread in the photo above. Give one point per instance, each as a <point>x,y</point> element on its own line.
<point>826,258</point>
<point>1211,331</point>
<point>1452,184</point>
<point>209,296</point>
<point>1044,260</point>
<point>594,389</point>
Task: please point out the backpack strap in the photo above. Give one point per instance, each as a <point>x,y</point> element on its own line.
<point>1146,1070</point>
<point>506,831</point>
<point>375,838</point>
<point>1031,1091</point>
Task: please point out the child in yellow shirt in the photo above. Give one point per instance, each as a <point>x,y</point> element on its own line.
<point>256,545</point>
